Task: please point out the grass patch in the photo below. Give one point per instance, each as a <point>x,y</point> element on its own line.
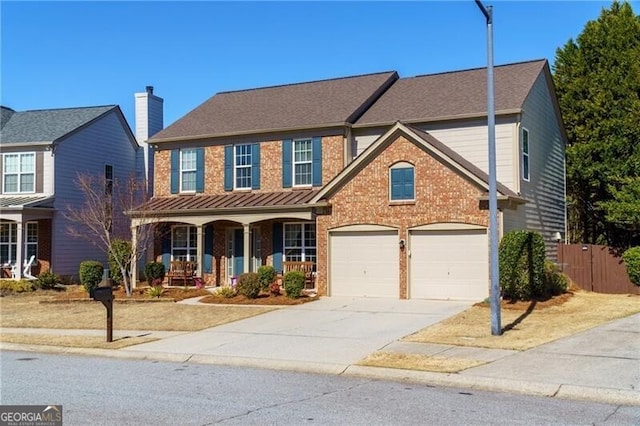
<point>25,310</point>
<point>527,325</point>
<point>73,341</point>
<point>419,362</point>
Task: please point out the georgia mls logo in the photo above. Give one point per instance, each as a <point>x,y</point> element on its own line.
<point>30,415</point>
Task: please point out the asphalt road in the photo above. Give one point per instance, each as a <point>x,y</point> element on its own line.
<point>101,391</point>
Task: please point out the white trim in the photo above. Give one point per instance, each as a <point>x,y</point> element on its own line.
<point>363,227</point>
<point>294,162</point>
<point>194,170</point>
<point>19,173</point>
<point>447,226</point>
<point>188,248</point>
<point>236,167</point>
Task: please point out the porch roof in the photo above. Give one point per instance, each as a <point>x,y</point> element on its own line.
<point>227,202</point>
<point>20,201</point>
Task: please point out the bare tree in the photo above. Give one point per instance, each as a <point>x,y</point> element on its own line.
<point>101,218</point>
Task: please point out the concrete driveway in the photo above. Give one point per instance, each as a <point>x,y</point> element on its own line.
<point>323,336</point>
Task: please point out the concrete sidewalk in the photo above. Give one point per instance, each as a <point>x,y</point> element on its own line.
<point>601,364</point>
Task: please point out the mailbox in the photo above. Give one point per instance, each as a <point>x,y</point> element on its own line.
<point>101,294</point>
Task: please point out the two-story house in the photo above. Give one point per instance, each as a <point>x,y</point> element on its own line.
<point>43,152</point>
<point>379,180</point>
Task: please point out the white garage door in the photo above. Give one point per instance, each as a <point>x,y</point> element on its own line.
<point>449,264</point>
<point>364,264</point>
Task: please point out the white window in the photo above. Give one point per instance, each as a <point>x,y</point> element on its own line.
<point>187,170</point>
<point>184,240</point>
<point>18,173</point>
<point>402,182</point>
<point>302,162</point>
<point>9,241</point>
<point>300,242</point>
<point>242,166</point>
<point>525,155</point>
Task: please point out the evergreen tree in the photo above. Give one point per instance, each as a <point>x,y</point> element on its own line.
<point>597,78</point>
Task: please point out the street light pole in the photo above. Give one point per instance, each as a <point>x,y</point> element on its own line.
<point>496,328</point>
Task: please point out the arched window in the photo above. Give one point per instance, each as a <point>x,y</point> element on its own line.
<point>402,182</point>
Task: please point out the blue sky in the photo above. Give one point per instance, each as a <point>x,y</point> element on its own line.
<point>69,54</point>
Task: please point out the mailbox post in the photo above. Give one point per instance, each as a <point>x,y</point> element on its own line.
<point>104,294</point>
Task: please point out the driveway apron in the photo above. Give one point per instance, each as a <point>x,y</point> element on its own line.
<point>330,333</point>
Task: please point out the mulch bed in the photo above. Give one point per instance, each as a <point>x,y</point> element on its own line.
<point>171,294</point>
<point>521,305</point>
<point>262,299</point>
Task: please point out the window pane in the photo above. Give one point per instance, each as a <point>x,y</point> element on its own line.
<point>27,163</point>
<point>188,159</point>
<point>310,235</point>
<point>525,168</point>
<point>302,150</point>
<point>4,253</point>
<point>188,181</point>
<point>303,174</point>
<point>293,235</point>
<point>243,177</point>
<point>293,254</point>
<point>193,236</point>
<point>5,232</point>
<point>180,236</point>
<point>243,155</point>
<point>31,250</point>
<point>11,163</point>
<point>32,233</point>
<point>525,141</point>
<point>26,183</point>
<point>10,183</point>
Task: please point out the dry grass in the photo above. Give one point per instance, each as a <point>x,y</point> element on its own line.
<point>25,310</point>
<point>419,362</point>
<point>528,328</point>
<point>73,341</point>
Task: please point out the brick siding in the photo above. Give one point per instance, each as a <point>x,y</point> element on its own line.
<point>442,195</point>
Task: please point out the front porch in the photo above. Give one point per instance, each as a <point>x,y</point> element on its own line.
<point>226,242</point>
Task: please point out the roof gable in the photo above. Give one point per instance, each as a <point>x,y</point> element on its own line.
<point>427,142</point>
<point>325,103</point>
<point>455,94</point>
<point>48,125</point>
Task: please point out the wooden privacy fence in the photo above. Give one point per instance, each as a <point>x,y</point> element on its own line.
<point>595,268</point>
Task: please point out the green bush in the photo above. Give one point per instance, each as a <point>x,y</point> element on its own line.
<point>227,292</point>
<point>154,272</point>
<point>90,273</point>
<point>555,282</point>
<point>249,285</point>
<point>631,259</point>
<point>120,252</point>
<point>294,283</point>
<point>521,255</point>
<point>16,286</point>
<point>155,291</point>
<point>267,275</point>
<point>47,280</point>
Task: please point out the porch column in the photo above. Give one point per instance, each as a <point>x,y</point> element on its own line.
<point>247,246</point>
<point>19,247</point>
<point>199,249</point>
<point>134,257</point>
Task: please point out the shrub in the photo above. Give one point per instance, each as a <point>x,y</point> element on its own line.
<point>90,273</point>
<point>120,251</point>
<point>16,286</point>
<point>267,275</point>
<point>631,259</point>
<point>555,282</point>
<point>155,291</point>
<point>521,255</point>
<point>294,283</point>
<point>227,292</point>
<point>47,280</point>
<point>274,288</point>
<point>154,273</point>
<point>249,285</point>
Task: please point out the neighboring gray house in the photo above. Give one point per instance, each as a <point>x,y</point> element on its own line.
<point>43,152</point>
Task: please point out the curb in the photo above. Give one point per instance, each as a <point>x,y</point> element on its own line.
<point>562,391</point>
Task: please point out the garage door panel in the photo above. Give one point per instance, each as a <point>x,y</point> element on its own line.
<point>449,264</point>
<point>364,264</point>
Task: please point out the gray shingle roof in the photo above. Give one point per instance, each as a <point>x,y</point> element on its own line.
<point>46,125</point>
<point>312,104</point>
<point>447,95</point>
